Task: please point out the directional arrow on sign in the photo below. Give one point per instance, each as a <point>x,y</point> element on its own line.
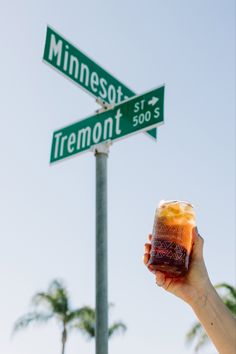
<point>153,101</point>
<point>134,115</point>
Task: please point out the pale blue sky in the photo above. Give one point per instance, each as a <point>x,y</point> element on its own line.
<point>48,213</point>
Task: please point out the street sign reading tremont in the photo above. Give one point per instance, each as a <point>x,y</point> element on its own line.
<point>124,119</point>
<point>75,65</point>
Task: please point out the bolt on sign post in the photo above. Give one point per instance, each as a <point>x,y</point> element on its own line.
<point>97,132</point>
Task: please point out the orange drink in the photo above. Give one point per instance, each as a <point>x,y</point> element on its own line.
<point>172,238</point>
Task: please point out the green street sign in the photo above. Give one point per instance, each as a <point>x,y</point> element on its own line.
<point>75,65</point>
<point>134,115</point>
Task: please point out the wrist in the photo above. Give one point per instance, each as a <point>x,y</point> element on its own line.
<point>200,295</point>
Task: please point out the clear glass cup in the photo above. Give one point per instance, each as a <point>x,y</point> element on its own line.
<point>172,237</point>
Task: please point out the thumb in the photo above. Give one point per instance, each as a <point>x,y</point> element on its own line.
<point>197,245</point>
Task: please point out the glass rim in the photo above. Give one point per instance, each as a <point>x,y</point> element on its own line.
<point>174,201</point>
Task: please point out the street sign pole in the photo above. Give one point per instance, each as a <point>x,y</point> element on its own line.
<point>101,328</point>
<point>122,115</point>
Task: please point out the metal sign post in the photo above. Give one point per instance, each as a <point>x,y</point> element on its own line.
<point>101,329</point>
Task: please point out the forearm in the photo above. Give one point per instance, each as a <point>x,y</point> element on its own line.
<point>217,320</point>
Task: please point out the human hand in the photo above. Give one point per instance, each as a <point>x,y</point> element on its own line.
<point>193,285</point>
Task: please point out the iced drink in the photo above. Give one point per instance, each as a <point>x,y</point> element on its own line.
<point>172,238</point>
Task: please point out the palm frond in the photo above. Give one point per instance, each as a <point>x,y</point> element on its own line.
<point>81,314</point>
<point>87,326</point>
<point>42,299</point>
<point>30,317</point>
<point>228,297</point>
<point>86,321</point>
<point>196,328</point>
<point>116,328</point>
<point>202,341</point>
<point>230,288</point>
<point>197,333</point>
<point>59,292</point>
<point>56,298</point>
<point>58,289</point>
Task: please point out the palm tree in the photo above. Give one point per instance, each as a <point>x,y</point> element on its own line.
<point>197,331</point>
<point>55,304</point>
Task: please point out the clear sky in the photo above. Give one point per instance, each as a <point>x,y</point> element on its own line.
<point>47,223</point>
